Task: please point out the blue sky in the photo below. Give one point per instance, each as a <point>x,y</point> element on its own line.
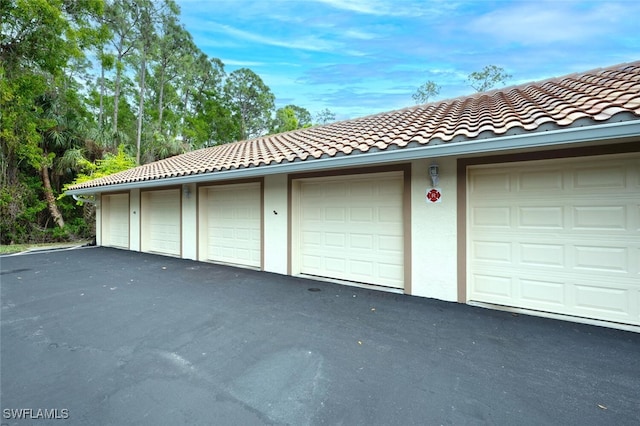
<point>362,57</point>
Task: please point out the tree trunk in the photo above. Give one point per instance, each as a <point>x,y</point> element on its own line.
<point>116,90</point>
<point>49,198</point>
<point>116,99</point>
<point>101,115</point>
<point>160,102</point>
<point>143,71</point>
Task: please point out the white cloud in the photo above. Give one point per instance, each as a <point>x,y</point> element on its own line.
<point>236,63</point>
<point>302,43</point>
<point>547,23</point>
<point>392,8</point>
<point>360,35</point>
<point>361,6</point>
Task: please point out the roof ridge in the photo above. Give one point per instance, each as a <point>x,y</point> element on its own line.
<point>580,98</point>
<point>594,71</point>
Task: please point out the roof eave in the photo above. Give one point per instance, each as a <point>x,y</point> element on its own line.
<point>550,138</point>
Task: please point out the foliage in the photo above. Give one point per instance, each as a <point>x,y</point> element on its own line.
<point>425,92</point>
<point>302,115</point>
<point>112,163</point>
<point>251,102</point>
<point>325,117</point>
<point>489,77</point>
<point>285,121</point>
<point>37,97</point>
<point>291,117</point>
<point>20,209</point>
<point>65,120</point>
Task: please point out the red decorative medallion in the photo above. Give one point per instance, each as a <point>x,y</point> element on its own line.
<point>433,195</point>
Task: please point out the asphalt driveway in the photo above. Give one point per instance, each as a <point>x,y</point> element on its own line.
<point>103,336</point>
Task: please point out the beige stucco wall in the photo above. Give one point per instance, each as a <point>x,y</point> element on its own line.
<point>275,225</point>
<point>189,222</point>
<point>433,225</point>
<point>134,220</point>
<point>98,220</point>
<point>433,240</point>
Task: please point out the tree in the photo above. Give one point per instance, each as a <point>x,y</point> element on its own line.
<point>63,111</point>
<point>251,101</point>
<point>173,44</point>
<point>425,92</point>
<point>32,75</point>
<point>106,63</point>
<point>122,18</point>
<point>206,116</point>
<point>302,115</point>
<point>290,117</point>
<point>147,41</point>
<point>486,79</point>
<point>111,163</point>
<point>285,121</point>
<point>151,93</point>
<point>325,117</point>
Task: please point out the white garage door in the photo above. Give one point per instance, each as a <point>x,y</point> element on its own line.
<point>231,224</point>
<point>351,228</point>
<point>115,220</point>
<point>161,222</point>
<point>559,236</point>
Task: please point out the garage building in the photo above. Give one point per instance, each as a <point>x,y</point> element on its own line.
<point>524,199</point>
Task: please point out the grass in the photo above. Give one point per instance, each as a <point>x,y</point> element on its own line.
<point>17,248</point>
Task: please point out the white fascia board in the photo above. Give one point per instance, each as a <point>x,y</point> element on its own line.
<point>568,136</point>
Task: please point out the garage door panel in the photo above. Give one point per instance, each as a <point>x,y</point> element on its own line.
<point>491,217</point>
<point>603,218</point>
<point>390,244</point>
<point>335,189</point>
<point>545,217</point>
<point>361,241</point>
<point>361,267</point>
<point>310,238</point>
<point>389,270</point>
<point>543,255</point>
<point>607,299</point>
<point>243,235</point>
<point>350,228</point>
<point>491,251</point>
<point>115,221</point>
<point>333,239</point>
<point>542,294</point>
<point>312,264</point>
<point>332,264</point>
<point>361,214</point>
<point>489,183</point>
<point>604,259</point>
<point>161,222</point>
<point>119,220</point>
<point>388,216</point>
<point>498,286</point>
<point>337,214</point>
<point>119,234</point>
<point>600,177</point>
<point>571,249</point>
<point>362,189</point>
<point>233,224</point>
<point>543,181</point>
<point>387,188</point>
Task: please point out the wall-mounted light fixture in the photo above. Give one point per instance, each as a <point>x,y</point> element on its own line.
<point>434,172</point>
<point>186,190</point>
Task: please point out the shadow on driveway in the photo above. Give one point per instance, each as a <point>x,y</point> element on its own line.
<point>104,336</point>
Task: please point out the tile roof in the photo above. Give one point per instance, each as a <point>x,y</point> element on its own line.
<point>595,96</point>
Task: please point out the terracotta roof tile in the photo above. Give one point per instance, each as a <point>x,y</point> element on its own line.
<point>596,95</point>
